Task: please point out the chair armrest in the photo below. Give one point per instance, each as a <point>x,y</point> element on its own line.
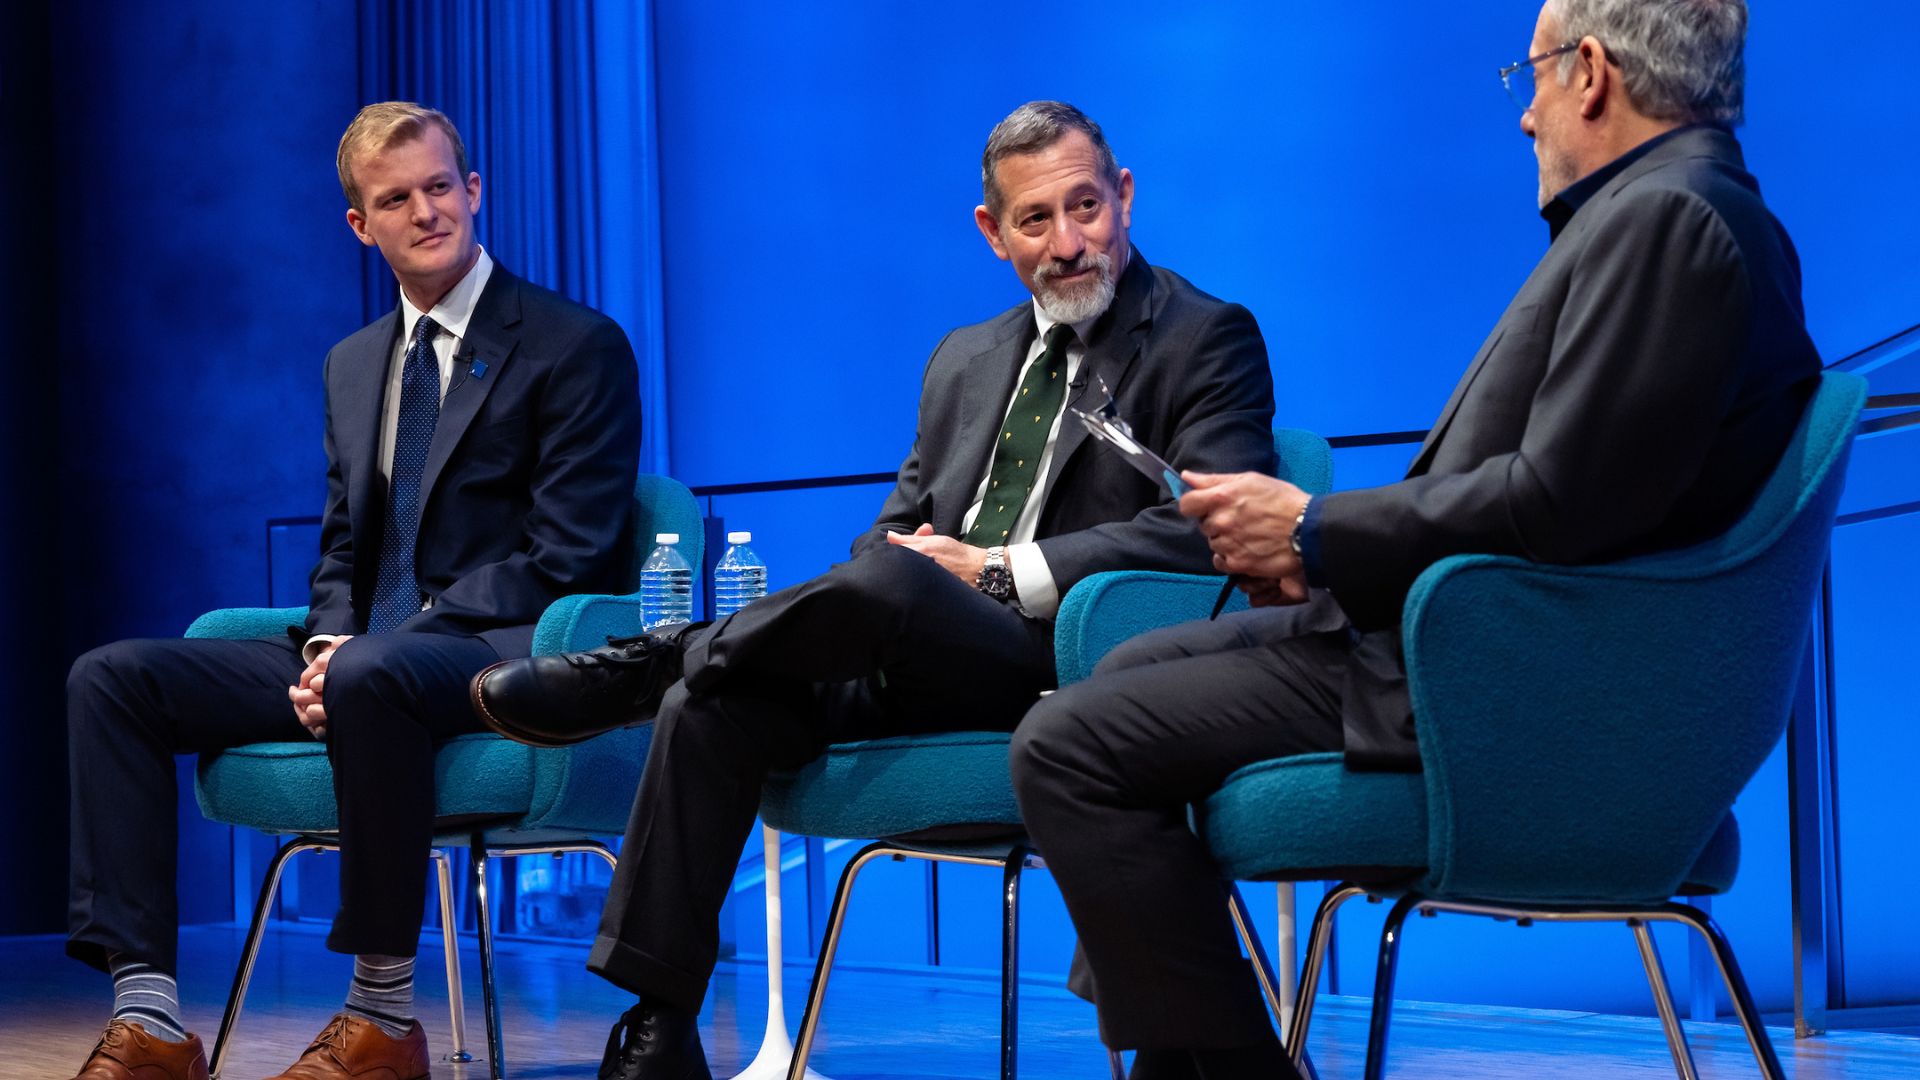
<point>588,787</point>
<point>1103,610</point>
<point>585,621</point>
<point>245,622</point>
<point>570,624</point>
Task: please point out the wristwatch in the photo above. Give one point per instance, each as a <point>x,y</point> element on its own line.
<point>995,579</point>
<point>1299,523</point>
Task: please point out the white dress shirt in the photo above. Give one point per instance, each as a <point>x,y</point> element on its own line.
<point>1034,588</point>
<point>453,313</point>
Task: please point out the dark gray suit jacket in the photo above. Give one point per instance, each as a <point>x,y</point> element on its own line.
<point>1188,372</point>
<point>1634,397</point>
<point>529,478</point>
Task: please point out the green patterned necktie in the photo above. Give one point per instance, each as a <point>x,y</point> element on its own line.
<point>1016,454</point>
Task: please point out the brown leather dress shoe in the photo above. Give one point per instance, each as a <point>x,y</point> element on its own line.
<point>354,1047</point>
<point>126,1052</point>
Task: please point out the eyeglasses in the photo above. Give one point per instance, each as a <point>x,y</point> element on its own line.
<point>1521,89</point>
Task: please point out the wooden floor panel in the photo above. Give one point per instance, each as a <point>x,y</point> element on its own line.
<point>879,1024</point>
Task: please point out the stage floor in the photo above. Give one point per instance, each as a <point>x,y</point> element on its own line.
<point>878,1024</point>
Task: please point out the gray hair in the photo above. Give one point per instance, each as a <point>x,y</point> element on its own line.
<point>1679,59</point>
<point>1030,129</point>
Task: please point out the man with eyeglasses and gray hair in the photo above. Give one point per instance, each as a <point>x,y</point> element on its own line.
<point>1633,398</point>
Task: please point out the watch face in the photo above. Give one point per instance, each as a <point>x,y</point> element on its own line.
<point>995,579</point>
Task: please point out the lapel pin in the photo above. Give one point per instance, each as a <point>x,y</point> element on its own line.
<point>478,370</point>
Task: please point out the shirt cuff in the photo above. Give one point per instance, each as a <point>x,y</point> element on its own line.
<point>318,642</point>
<point>1033,585</point>
<point>1309,532</point>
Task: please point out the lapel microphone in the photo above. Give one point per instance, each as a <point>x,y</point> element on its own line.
<point>465,367</point>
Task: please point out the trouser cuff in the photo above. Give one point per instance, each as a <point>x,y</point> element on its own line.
<point>632,970</point>
<point>93,943</point>
<point>1202,1022</point>
<point>403,940</point>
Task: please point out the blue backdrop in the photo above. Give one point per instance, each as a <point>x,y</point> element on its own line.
<point>775,202</point>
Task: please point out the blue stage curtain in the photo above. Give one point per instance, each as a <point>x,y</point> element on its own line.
<point>556,102</point>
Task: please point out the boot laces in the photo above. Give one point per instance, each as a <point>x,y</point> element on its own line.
<point>621,650</point>
<point>633,1030</point>
<point>331,1037</point>
<point>112,1038</point>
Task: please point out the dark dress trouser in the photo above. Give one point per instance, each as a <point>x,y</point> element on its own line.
<point>133,705</point>
<point>888,643</point>
<point>1105,771</point>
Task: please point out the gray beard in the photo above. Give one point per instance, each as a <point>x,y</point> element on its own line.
<point>1555,176</point>
<point>1087,302</point>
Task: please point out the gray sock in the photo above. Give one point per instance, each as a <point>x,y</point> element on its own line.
<point>382,991</point>
<point>147,996</point>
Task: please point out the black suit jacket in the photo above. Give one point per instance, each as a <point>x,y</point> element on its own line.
<point>1634,397</point>
<point>528,480</point>
<point>1188,372</point>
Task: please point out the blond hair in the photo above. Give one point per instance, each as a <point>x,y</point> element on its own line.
<point>386,124</point>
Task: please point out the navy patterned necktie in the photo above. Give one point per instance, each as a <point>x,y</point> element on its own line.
<point>1016,453</point>
<point>396,592</point>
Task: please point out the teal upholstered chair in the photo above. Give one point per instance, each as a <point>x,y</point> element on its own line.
<point>1583,733</point>
<point>949,797</point>
<point>497,797</point>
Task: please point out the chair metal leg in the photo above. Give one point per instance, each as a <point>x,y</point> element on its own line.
<point>1286,946</point>
<point>1743,1004</point>
<point>603,851</point>
<point>823,967</point>
<point>1383,984</point>
<point>250,952</point>
<point>1318,937</point>
<point>1702,923</point>
<point>1663,1001</point>
<point>270,887</point>
<point>1117,1065</point>
<point>1262,966</point>
<point>450,934</point>
<point>496,1052</point>
<point>1010,963</point>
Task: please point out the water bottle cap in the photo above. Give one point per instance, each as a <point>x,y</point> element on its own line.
<point>739,538</point>
<point>667,538</point>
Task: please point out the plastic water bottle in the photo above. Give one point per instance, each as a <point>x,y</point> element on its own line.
<point>739,578</point>
<point>666,584</point>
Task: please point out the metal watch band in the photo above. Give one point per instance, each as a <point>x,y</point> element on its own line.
<point>995,579</point>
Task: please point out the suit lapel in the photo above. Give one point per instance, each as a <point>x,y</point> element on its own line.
<point>1116,343</point>
<point>491,339</point>
<point>984,394</point>
<point>1432,442</point>
<point>357,416</point>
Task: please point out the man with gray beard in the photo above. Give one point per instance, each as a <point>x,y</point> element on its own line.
<point>942,620</point>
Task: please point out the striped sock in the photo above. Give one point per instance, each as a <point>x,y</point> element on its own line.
<point>382,991</point>
<point>148,996</point>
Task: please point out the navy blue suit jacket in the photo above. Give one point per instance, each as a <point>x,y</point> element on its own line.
<point>528,480</point>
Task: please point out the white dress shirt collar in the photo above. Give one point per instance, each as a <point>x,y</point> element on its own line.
<point>1046,322</point>
<point>455,310</point>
